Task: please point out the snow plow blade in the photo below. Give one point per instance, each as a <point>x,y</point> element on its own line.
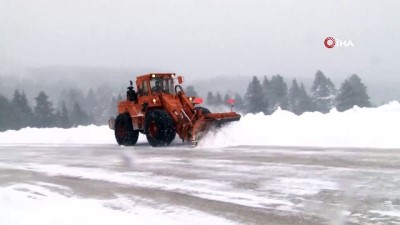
<point>204,124</point>
<point>221,118</point>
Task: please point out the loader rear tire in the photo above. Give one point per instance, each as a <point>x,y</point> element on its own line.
<point>124,133</point>
<point>160,129</point>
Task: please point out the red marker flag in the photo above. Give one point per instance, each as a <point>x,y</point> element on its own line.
<point>198,100</point>
<point>231,101</point>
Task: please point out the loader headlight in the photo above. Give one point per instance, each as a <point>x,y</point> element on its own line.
<point>173,75</point>
<point>154,100</point>
<point>153,75</point>
<point>190,99</point>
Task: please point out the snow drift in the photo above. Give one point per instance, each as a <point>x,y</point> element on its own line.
<point>358,127</point>
<point>78,135</point>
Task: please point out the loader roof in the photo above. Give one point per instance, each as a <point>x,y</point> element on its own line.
<point>152,75</point>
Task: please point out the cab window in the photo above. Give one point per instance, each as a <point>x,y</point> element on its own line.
<point>159,85</point>
<point>144,89</point>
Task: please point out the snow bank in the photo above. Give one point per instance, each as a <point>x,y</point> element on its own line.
<point>79,135</point>
<point>358,127</point>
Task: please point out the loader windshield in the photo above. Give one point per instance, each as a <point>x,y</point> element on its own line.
<point>162,85</point>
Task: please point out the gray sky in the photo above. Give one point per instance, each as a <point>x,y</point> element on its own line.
<point>203,38</point>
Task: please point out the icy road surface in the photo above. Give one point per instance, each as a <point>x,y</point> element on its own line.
<point>108,184</point>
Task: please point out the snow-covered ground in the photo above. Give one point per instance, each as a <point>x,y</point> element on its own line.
<point>358,127</point>
<point>103,184</point>
<point>239,175</point>
<point>40,204</point>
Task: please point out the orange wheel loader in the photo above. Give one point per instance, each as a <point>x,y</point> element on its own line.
<point>160,109</point>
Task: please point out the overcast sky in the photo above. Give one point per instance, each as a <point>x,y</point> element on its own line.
<point>204,38</point>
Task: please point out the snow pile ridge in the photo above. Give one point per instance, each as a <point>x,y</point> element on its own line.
<point>78,135</point>
<point>359,127</point>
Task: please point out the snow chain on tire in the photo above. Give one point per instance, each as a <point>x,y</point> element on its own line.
<point>124,133</point>
<point>159,127</point>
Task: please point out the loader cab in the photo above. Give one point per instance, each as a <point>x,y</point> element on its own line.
<point>155,84</point>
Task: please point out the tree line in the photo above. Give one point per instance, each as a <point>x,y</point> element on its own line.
<point>73,109</point>
<point>270,94</point>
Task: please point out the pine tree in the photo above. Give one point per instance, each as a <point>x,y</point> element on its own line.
<point>352,92</point>
<point>44,111</point>
<point>57,118</point>
<point>254,97</point>
<point>73,95</point>
<point>306,102</point>
<point>5,113</point>
<point>91,101</point>
<point>22,112</point>
<point>239,103</point>
<point>323,93</point>
<point>265,83</point>
<point>112,109</point>
<point>218,99</point>
<point>15,117</point>
<point>226,99</point>
<point>26,111</point>
<point>63,119</point>
<point>103,113</point>
<point>210,99</point>
<point>92,106</point>
<point>190,91</point>
<point>294,94</point>
<point>276,93</point>
<point>299,100</point>
<point>78,116</point>
<point>266,91</point>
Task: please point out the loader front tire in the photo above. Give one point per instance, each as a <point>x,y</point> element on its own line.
<point>203,110</point>
<point>124,133</point>
<point>160,129</point>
